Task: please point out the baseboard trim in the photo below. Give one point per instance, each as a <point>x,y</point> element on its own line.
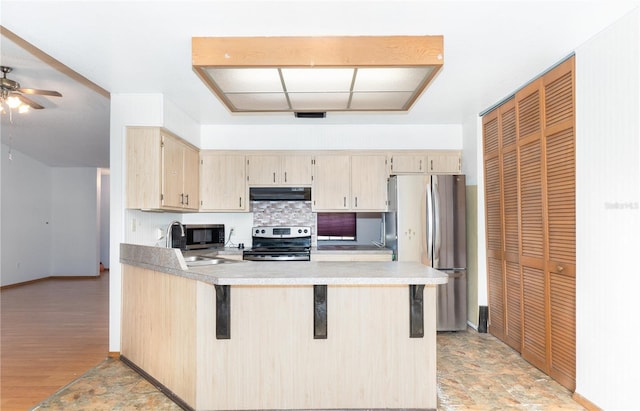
<point>163,389</point>
<point>114,354</point>
<point>53,277</point>
<point>585,402</point>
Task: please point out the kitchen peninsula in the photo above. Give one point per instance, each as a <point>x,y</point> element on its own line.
<point>281,335</point>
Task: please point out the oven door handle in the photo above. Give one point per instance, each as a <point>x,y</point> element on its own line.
<point>276,258</point>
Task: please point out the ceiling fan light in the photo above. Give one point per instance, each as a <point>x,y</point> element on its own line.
<point>13,102</point>
<point>23,108</point>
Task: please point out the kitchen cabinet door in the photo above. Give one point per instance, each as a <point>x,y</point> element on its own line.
<point>408,163</point>
<point>331,183</point>
<point>296,170</point>
<point>191,179</point>
<point>162,170</point>
<point>180,182</point>
<point>144,168</point>
<point>444,163</point>
<point>263,170</point>
<point>172,162</point>
<point>223,184</point>
<point>276,169</point>
<point>369,182</point>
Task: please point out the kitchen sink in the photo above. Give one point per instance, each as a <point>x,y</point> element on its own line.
<point>197,260</point>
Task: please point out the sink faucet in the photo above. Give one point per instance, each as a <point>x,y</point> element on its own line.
<point>168,236</point>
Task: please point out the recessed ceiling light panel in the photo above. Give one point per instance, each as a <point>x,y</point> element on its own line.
<point>390,79</point>
<point>317,80</point>
<point>265,74</point>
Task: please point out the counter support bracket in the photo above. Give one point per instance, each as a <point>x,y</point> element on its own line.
<point>223,312</point>
<point>320,312</point>
<point>416,311</point>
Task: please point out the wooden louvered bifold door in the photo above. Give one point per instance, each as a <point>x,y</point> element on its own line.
<point>495,275</point>
<point>511,258</point>
<point>529,149</point>
<point>501,193</point>
<point>560,164</point>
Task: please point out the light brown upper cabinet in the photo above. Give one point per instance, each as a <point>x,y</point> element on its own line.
<point>350,182</point>
<point>369,177</point>
<point>408,163</point>
<point>162,171</point>
<point>279,170</point>
<point>223,182</point>
<point>331,183</point>
<point>529,163</point>
<point>444,163</point>
<point>425,162</point>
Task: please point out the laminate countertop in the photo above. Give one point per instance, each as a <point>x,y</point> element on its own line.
<point>171,261</point>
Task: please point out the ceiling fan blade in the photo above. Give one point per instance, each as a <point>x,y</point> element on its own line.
<point>40,92</point>
<point>29,102</point>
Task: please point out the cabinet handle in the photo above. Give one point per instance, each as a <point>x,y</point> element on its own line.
<point>356,202</point>
<point>187,197</point>
<point>431,165</point>
<point>240,198</point>
<point>274,177</point>
<point>285,176</point>
<point>182,198</point>
<point>344,201</point>
<point>420,167</point>
<point>560,268</point>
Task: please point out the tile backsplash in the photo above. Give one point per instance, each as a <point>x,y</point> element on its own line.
<point>274,213</point>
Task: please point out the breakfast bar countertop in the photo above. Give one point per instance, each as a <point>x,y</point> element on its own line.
<point>171,261</point>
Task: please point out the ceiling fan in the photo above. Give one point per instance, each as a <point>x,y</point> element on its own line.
<point>11,88</point>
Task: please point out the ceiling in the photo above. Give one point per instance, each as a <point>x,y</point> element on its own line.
<point>491,49</point>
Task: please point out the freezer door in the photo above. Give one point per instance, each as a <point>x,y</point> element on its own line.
<point>451,311</point>
<point>448,217</point>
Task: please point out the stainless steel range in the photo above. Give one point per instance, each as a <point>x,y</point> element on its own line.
<point>280,244</point>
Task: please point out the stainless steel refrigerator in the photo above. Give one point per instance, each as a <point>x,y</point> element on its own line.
<point>426,222</point>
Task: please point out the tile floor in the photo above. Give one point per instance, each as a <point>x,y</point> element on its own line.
<point>475,372</point>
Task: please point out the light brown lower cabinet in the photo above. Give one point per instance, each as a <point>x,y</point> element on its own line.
<point>529,163</point>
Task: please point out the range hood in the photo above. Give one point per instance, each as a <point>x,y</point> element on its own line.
<point>280,193</point>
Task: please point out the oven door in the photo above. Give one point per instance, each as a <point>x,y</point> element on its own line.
<point>271,255</point>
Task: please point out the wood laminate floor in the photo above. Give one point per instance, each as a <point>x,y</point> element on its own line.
<point>54,356</point>
<point>51,332</point>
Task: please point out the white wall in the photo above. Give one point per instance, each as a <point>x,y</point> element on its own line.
<point>104,218</point>
<point>75,221</point>
<point>26,216</point>
<point>318,136</point>
<point>608,223</point>
<point>50,220</point>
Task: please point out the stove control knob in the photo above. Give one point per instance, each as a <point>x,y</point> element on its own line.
<point>262,231</point>
<point>257,231</point>
<point>299,230</point>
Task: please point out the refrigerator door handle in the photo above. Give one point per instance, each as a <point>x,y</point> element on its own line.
<point>436,236</point>
<point>429,228</point>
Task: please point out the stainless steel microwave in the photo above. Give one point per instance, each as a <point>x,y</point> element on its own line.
<point>198,236</point>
